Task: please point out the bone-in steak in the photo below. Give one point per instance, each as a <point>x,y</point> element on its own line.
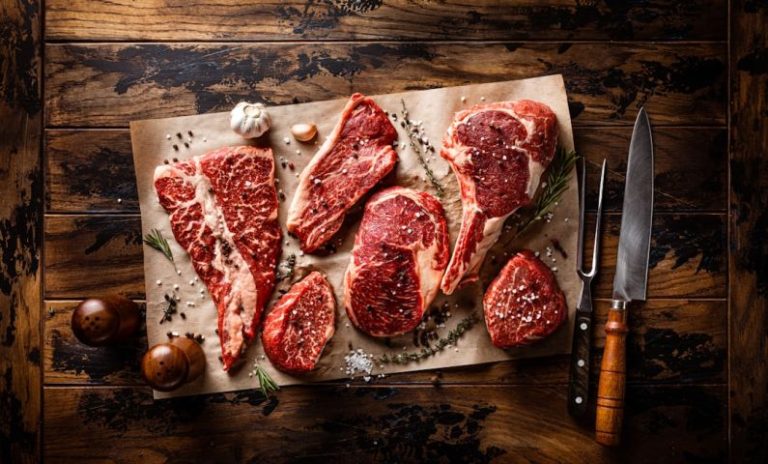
<point>223,212</point>
<point>354,158</point>
<point>299,326</point>
<point>498,152</point>
<point>398,259</point>
<point>524,303</point>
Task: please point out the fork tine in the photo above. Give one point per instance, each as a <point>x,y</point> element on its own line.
<point>582,212</point>
<point>596,246</point>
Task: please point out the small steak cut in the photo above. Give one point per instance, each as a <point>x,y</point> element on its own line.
<point>223,212</point>
<point>498,152</point>
<point>398,259</point>
<point>299,326</point>
<point>354,158</point>
<point>524,303</point>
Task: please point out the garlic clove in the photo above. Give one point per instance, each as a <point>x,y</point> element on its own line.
<point>304,132</point>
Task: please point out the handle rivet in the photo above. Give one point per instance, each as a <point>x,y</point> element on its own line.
<point>583,326</point>
<point>578,400</point>
<point>580,363</point>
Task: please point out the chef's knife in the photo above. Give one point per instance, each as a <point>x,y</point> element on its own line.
<point>630,281</point>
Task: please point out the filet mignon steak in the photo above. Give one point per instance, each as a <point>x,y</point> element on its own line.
<point>300,324</point>
<point>524,303</point>
<point>223,212</point>
<point>398,259</point>
<point>498,152</point>
<point>354,158</point>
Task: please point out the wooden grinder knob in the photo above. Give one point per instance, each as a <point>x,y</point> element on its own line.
<point>106,320</point>
<point>168,366</point>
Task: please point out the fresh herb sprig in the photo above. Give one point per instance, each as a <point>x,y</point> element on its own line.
<point>553,188</point>
<point>266,384</point>
<point>449,340</point>
<point>415,143</point>
<point>155,240</point>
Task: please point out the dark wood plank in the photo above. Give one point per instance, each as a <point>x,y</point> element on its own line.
<point>92,171</point>
<point>21,217</point>
<point>87,254</point>
<point>391,20</point>
<point>110,84</point>
<point>749,232</point>
<point>388,424</point>
<point>671,341</point>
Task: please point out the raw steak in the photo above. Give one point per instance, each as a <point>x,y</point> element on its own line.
<point>354,158</point>
<point>523,304</point>
<point>399,256</point>
<point>300,324</point>
<point>498,152</point>
<point>223,212</point>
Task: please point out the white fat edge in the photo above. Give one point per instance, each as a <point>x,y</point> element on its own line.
<point>243,291</point>
<point>491,232</point>
<point>535,170</point>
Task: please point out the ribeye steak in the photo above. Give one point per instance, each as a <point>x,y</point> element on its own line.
<point>223,212</point>
<point>498,152</point>
<point>354,158</point>
<point>400,253</point>
<point>523,304</point>
<point>298,327</point>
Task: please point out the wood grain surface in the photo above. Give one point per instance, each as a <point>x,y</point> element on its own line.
<point>158,20</point>
<point>108,85</point>
<point>382,424</point>
<point>21,211</point>
<point>749,232</point>
<point>107,63</point>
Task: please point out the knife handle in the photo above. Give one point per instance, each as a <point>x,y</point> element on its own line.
<point>578,386</point>
<point>613,374</point>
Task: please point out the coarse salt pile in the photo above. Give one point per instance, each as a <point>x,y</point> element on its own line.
<point>358,362</point>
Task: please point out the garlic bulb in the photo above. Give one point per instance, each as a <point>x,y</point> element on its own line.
<point>250,120</point>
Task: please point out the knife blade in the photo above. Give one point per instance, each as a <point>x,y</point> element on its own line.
<point>630,281</point>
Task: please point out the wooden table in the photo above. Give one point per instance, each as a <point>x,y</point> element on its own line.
<point>75,72</point>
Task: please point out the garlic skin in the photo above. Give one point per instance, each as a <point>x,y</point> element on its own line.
<point>250,120</point>
<point>304,132</point>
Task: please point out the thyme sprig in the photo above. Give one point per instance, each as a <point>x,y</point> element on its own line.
<point>266,384</point>
<point>449,340</point>
<point>553,188</point>
<point>155,240</point>
<point>416,144</point>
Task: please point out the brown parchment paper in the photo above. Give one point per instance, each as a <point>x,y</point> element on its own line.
<point>435,109</point>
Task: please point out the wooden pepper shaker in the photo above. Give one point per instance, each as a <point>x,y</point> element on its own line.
<point>106,320</point>
<point>168,366</point>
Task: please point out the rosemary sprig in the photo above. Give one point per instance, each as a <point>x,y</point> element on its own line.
<point>449,340</point>
<point>415,143</point>
<point>156,240</point>
<point>553,188</point>
<point>171,306</point>
<point>266,384</point>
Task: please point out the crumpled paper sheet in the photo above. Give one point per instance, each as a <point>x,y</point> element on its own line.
<point>435,108</point>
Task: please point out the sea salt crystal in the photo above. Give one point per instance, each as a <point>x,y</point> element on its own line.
<point>358,362</point>
<point>286,140</point>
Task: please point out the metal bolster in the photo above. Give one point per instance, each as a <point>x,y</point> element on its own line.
<point>620,305</point>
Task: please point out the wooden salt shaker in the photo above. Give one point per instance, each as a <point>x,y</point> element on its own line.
<point>168,366</point>
<point>106,320</point>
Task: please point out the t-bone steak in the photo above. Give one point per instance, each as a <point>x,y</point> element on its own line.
<point>223,212</point>
<point>400,253</point>
<point>300,324</point>
<point>498,152</point>
<point>524,303</point>
<point>354,158</point>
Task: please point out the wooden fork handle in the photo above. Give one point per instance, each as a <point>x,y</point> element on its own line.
<point>613,374</point>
